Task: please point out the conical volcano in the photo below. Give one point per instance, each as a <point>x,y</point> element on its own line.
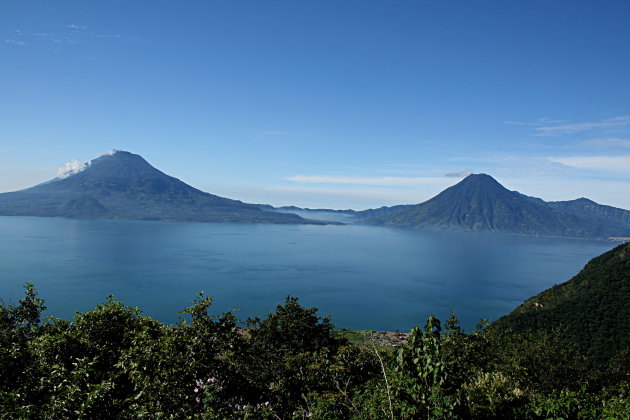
<point>480,203</point>
<point>123,185</point>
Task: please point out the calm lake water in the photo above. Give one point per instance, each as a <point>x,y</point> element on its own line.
<point>366,277</point>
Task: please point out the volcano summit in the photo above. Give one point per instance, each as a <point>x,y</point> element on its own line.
<point>122,185</point>
<point>480,203</point>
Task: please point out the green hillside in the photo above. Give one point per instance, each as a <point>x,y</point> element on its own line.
<point>592,309</point>
<point>115,363</point>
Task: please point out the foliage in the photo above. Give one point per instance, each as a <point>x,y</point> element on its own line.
<point>113,362</point>
<point>592,309</point>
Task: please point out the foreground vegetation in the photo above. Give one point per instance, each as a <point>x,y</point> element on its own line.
<point>593,307</point>
<point>113,362</point>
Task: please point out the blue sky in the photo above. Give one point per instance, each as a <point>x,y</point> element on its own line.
<point>342,104</point>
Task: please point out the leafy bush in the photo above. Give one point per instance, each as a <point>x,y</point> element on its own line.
<point>113,362</point>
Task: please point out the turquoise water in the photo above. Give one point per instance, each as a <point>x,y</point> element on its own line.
<point>365,277</point>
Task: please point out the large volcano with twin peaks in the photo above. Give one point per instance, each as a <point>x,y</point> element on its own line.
<point>122,185</point>
<point>480,203</point>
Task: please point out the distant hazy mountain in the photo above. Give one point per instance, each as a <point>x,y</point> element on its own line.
<point>480,203</point>
<point>381,212</point>
<point>294,208</point>
<point>586,208</point>
<point>344,216</point>
<point>329,216</point>
<point>592,309</point>
<point>123,185</point>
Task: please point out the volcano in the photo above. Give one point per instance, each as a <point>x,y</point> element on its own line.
<point>122,185</point>
<point>480,203</point>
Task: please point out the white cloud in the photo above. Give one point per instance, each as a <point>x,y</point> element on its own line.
<point>610,142</point>
<point>615,164</point>
<point>460,174</point>
<point>563,129</point>
<point>357,180</point>
<point>71,168</point>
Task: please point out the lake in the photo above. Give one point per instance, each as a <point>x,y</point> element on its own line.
<point>365,277</point>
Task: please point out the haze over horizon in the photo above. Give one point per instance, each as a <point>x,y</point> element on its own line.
<point>323,104</point>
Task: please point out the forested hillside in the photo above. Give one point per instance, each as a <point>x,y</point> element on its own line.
<point>592,309</point>
<point>115,363</point>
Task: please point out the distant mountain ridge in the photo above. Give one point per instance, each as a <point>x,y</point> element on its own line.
<point>584,207</point>
<point>480,203</point>
<point>123,185</point>
<point>381,212</point>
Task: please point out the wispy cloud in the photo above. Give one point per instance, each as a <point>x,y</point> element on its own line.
<point>61,35</point>
<point>358,180</point>
<point>609,142</point>
<point>460,174</point>
<point>282,133</point>
<point>538,122</point>
<point>607,164</point>
<point>515,165</point>
<point>275,133</point>
<point>105,36</point>
<point>564,129</point>
<point>15,42</point>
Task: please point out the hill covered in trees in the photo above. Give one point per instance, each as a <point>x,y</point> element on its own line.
<point>115,363</point>
<point>592,309</point>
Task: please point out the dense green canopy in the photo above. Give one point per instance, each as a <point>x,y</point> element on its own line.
<point>592,310</point>
<point>115,363</point>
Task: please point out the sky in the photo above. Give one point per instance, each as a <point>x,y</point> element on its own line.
<point>323,104</point>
